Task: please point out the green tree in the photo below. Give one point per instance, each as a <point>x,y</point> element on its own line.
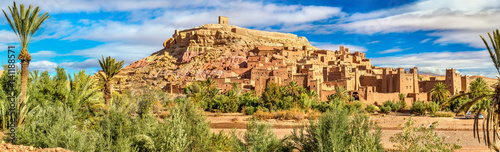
<point>25,23</point>
<point>110,68</point>
<point>272,95</point>
<point>340,93</point>
<point>477,89</point>
<point>292,89</point>
<point>491,122</point>
<point>439,93</point>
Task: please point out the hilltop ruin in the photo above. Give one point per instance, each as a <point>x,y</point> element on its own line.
<point>228,54</point>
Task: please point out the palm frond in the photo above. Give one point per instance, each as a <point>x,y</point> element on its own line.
<point>25,22</point>
<point>468,105</point>
<point>449,101</point>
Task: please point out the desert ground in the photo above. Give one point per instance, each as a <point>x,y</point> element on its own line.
<point>453,129</point>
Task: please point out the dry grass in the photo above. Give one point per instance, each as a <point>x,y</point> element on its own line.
<point>292,114</point>
<point>444,114</point>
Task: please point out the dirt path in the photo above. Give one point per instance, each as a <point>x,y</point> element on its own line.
<point>452,129</point>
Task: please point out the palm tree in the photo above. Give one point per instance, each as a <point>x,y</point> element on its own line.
<point>477,88</point>
<point>25,23</point>
<point>439,93</point>
<point>292,89</point>
<point>110,68</point>
<point>340,94</point>
<point>492,121</point>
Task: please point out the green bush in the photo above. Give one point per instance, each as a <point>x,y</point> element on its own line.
<point>115,130</point>
<point>370,108</point>
<point>418,108</point>
<point>386,106</point>
<point>432,107</point>
<point>324,106</point>
<point>143,143</point>
<point>285,104</point>
<point>414,138</point>
<point>250,110</point>
<point>336,130</point>
<point>304,101</point>
<point>258,137</point>
<point>444,114</point>
<point>391,106</point>
<point>355,106</point>
<point>54,126</point>
<point>185,129</point>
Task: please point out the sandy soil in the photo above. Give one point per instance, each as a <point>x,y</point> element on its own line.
<point>452,129</point>
<point>7,147</point>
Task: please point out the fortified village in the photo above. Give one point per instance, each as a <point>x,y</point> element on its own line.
<point>229,54</point>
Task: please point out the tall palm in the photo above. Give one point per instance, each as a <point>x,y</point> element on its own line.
<point>110,68</point>
<point>25,23</point>
<point>492,121</point>
<point>439,93</point>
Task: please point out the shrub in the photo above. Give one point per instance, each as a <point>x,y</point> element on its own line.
<point>248,99</point>
<point>222,142</point>
<point>324,106</point>
<point>285,104</point>
<point>249,110</point>
<point>115,130</point>
<point>444,114</point>
<point>385,108</point>
<point>418,108</point>
<point>394,106</point>
<point>304,101</point>
<point>143,143</point>
<point>258,137</point>
<point>54,126</point>
<point>432,107</point>
<point>414,138</point>
<point>355,106</point>
<point>261,115</point>
<point>370,108</point>
<point>337,131</point>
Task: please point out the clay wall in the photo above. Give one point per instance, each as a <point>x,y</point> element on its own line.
<point>379,98</point>
<point>426,86</point>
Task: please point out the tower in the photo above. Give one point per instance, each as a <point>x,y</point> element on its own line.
<point>223,20</point>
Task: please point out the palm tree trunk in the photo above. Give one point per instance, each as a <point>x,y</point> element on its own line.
<point>107,92</point>
<point>24,80</point>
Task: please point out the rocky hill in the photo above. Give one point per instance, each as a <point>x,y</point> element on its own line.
<point>252,58</point>
<point>210,50</point>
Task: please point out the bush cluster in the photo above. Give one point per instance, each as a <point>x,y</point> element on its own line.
<point>390,106</point>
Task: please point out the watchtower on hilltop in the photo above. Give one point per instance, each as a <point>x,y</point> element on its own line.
<point>223,20</point>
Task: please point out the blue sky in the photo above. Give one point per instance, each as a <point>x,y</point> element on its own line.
<point>430,34</point>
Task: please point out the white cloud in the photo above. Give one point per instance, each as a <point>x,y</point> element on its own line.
<point>468,62</point>
<point>333,47</point>
<point>43,65</point>
<point>393,50</point>
<point>373,42</point>
<point>75,65</point>
<point>7,36</point>
<point>114,31</point>
<point>120,51</point>
<point>425,40</point>
<point>458,21</point>
<point>44,54</point>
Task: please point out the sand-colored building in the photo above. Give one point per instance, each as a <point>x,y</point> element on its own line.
<point>323,70</point>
